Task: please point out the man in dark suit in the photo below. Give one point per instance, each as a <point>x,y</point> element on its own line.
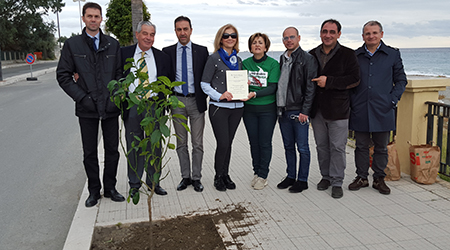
<point>158,64</point>
<point>188,61</point>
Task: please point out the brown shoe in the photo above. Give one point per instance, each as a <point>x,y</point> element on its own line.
<point>358,183</point>
<point>381,186</point>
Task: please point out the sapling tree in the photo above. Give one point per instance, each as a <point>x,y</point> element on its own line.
<point>156,124</point>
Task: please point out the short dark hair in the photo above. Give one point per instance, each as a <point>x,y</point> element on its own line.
<point>182,18</point>
<point>291,27</point>
<point>256,35</point>
<point>339,26</point>
<point>372,23</point>
<point>92,6</point>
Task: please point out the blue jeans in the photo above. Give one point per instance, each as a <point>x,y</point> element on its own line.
<point>295,133</point>
<point>259,126</point>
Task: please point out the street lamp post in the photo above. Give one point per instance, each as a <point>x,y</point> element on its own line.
<point>79,5</point>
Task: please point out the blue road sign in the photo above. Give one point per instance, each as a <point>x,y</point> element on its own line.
<point>30,58</point>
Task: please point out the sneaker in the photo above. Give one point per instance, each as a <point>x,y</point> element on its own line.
<point>260,183</point>
<point>298,187</point>
<point>229,184</point>
<point>255,178</point>
<point>219,184</point>
<point>337,192</point>
<point>323,184</point>
<point>358,183</point>
<point>381,186</point>
<point>287,182</point>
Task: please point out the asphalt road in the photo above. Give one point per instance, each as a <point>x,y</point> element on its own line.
<point>41,171</point>
<point>8,71</point>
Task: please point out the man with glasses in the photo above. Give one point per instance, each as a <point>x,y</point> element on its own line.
<point>338,73</point>
<point>295,96</point>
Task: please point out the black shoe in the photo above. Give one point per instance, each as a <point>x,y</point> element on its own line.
<point>133,192</point>
<point>184,183</point>
<point>92,200</point>
<point>337,192</point>
<point>229,184</point>
<point>219,184</point>
<point>159,190</point>
<point>323,184</point>
<point>298,187</point>
<point>380,185</point>
<point>287,182</point>
<point>114,195</point>
<point>197,185</point>
<point>358,183</point>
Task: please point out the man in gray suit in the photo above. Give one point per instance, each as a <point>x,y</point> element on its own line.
<point>188,61</point>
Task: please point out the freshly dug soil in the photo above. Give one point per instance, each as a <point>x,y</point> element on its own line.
<point>182,232</point>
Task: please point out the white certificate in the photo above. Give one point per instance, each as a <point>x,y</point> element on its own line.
<point>237,84</point>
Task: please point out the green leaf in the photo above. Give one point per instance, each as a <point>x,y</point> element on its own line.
<point>156,177</point>
<point>136,198</point>
<point>180,116</point>
<point>186,127</point>
<point>156,137</point>
<point>171,146</point>
<point>164,130</point>
<point>134,98</point>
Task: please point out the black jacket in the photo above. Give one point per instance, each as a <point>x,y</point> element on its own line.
<point>199,56</point>
<point>96,69</point>
<point>301,89</point>
<point>342,72</point>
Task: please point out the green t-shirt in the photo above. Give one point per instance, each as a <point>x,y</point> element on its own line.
<point>260,75</point>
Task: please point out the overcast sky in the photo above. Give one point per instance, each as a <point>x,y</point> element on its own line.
<point>407,24</point>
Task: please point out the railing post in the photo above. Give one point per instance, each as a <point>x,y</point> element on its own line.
<point>411,121</point>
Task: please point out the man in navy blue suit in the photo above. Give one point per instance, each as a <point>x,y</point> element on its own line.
<point>188,61</point>
<point>158,64</point>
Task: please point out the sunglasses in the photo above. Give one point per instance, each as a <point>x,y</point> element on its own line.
<point>226,35</point>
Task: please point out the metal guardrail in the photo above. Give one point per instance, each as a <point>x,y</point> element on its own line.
<point>12,55</point>
<point>441,113</point>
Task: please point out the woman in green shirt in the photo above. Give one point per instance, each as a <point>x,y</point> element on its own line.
<point>260,107</point>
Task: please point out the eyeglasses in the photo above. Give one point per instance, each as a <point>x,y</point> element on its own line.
<point>226,35</point>
<point>288,37</point>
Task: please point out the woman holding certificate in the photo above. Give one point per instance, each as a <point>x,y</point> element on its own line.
<point>260,111</point>
<point>224,111</point>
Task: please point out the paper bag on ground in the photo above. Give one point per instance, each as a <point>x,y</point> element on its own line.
<point>425,161</point>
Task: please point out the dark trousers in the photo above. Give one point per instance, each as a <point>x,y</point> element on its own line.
<point>224,123</point>
<point>260,126</point>
<point>89,134</point>
<point>295,133</point>
<point>380,153</point>
<point>136,162</point>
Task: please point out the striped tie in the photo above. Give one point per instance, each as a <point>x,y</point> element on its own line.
<point>144,69</point>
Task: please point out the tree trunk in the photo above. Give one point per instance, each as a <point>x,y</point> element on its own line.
<point>150,230</point>
<point>136,15</point>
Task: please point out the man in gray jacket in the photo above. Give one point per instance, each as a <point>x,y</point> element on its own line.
<point>95,58</point>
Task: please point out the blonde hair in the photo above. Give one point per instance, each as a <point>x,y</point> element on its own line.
<point>219,34</point>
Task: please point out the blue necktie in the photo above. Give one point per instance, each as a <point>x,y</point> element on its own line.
<point>93,42</point>
<point>184,74</point>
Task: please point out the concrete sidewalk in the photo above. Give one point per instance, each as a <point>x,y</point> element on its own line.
<point>413,216</point>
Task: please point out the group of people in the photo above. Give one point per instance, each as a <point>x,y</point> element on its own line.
<point>331,86</point>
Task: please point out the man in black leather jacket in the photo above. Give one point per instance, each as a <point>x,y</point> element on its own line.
<point>295,95</point>
<point>95,58</point>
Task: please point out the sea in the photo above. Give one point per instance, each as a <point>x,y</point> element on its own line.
<point>417,62</point>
